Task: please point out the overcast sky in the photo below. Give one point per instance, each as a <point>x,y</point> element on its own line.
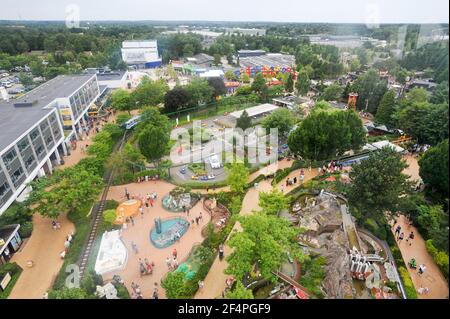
<point>359,11</point>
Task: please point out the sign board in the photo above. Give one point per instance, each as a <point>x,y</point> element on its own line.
<point>5,281</point>
<point>66,114</point>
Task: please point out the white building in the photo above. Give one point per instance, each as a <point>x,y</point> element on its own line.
<point>141,53</point>
<point>36,129</point>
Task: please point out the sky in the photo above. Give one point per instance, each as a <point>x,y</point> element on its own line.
<point>332,11</point>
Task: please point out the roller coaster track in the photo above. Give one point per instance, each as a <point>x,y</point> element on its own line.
<point>292,282</point>
<point>97,212</point>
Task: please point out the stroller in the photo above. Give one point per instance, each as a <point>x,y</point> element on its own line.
<point>412,263</point>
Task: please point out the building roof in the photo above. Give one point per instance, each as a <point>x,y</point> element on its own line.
<point>6,233</point>
<point>380,144</point>
<point>203,58</point>
<point>256,110</point>
<point>16,120</point>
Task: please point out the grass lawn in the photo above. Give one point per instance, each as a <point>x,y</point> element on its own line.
<point>15,270</point>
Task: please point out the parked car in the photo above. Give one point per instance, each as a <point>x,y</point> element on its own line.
<point>214,161</point>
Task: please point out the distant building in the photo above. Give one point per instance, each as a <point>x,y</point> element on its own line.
<point>426,84</point>
<point>253,31</point>
<point>141,53</point>
<point>201,60</point>
<point>248,53</point>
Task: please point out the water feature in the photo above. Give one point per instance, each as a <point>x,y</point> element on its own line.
<point>165,234</point>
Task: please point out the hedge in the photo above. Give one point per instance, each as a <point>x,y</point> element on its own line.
<point>15,270</point>
<point>440,257</point>
<point>410,290</point>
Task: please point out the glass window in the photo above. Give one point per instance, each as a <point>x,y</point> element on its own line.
<point>23,144</point>
<point>4,189</point>
<point>34,134</point>
<point>10,156</point>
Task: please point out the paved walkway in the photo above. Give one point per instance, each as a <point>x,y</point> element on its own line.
<point>215,280</point>
<point>140,234</point>
<point>43,248</point>
<point>432,278</point>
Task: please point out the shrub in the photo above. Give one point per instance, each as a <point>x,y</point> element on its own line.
<point>440,257</point>
<point>14,270</point>
<point>122,291</point>
<point>26,229</point>
<point>109,215</point>
<point>407,283</point>
<point>18,213</point>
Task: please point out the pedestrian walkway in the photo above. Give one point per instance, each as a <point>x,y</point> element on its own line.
<point>432,278</point>
<point>43,248</point>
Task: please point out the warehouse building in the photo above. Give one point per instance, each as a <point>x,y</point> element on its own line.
<point>142,54</point>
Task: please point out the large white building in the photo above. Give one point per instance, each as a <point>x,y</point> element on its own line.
<point>36,130</point>
<point>141,53</point>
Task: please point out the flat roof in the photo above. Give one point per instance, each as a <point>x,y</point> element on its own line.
<point>110,76</point>
<point>14,121</point>
<point>380,144</point>
<point>256,110</point>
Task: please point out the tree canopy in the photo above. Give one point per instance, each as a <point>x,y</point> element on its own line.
<point>370,88</point>
<point>387,109</point>
<point>434,167</point>
<point>325,134</point>
<point>282,119</point>
<point>237,177</point>
<point>377,183</point>
<point>244,121</point>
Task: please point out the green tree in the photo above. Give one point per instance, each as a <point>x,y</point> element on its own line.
<point>327,133</point>
<point>430,218</point>
<point>440,94</point>
<point>259,85</point>
<point>281,119</point>
<point>273,202</point>
<point>264,241</point>
<point>199,91</point>
<point>153,142</point>
<point>174,284</point>
<point>303,82</point>
<point>230,76</point>
<point>434,168</point>
<point>152,116</point>
<point>217,59</point>
<point>387,109</point>
<point>245,78</point>
<point>218,86</point>
<point>121,100</point>
<point>176,99</point>
<point>237,177</point>
<point>149,93</point>
<point>332,93</point>
<point>378,182</point>
<point>239,292</point>
<point>370,88</point>
<point>64,191</point>
<point>68,293</point>
<point>25,79</point>
<point>244,121</point>
<point>289,83</point>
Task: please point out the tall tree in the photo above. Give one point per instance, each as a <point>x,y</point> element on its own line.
<point>149,93</point>
<point>332,93</point>
<point>281,119</point>
<point>370,88</point>
<point>434,168</point>
<point>153,142</point>
<point>303,82</point>
<point>259,85</point>
<point>218,86</point>
<point>176,99</point>
<point>121,100</point>
<point>273,202</point>
<point>325,134</point>
<point>289,84</point>
<point>378,182</point>
<point>239,292</point>
<point>199,91</point>
<point>440,94</point>
<point>386,110</point>
<point>264,242</point>
<point>244,121</point>
<point>237,177</point>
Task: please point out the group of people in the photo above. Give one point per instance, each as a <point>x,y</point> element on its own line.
<point>172,261</point>
<point>293,181</point>
<point>67,244</point>
<point>401,235</point>
<point>56,225</point>
<point>330,168</point>
<point>146,267</point>
<point>229,284</point>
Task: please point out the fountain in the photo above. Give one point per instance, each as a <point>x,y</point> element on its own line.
<point>167,232</point>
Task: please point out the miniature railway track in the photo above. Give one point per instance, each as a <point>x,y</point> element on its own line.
<point>97,212</point>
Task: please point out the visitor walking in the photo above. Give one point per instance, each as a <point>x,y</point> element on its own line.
<point>174,253</point>
<point>175,263</point>
<point>201,284</point>
<point>422,269</point>
<point>169,263</point>
<point>132,220</point>
<point>141,210</point>
<point>134,247</point>
<point>397,231</point>
<point>196,220</point>
<point>221,252</point>
<point>200,217</point>
<point>410,238</point>
<point>295,179</point>
<point>287,182</point>
<point>127,194</point>
<point>400,238</point>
